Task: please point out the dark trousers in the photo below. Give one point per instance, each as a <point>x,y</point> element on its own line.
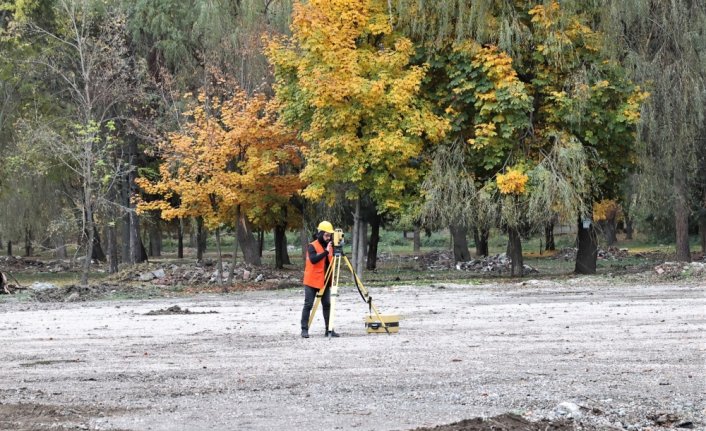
<point>309,297</point>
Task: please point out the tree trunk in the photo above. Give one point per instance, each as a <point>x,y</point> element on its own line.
<point>98,253</point>
<point>88,216</point>
<point>260,242</point>
<point>137,248</point>
<point>460,243</point>
<point>280,246</point>
<point>362,247</point>
<point>180,239</point>
<point>514,248</point>
<point>629,229</point>
<point>549,244</point>
<point>28,241</point>
<point>219,277</point>
<point>480,237</point>
<point>111,234</point>
<point>248,243</point>
<point>281,243</point>
<point>200,239</point>
<point>9,247</point>
<point>681,217</point>
<point>285,251</point>
<point>59,247</point>
<point>155,238</point>
<point>373,244</point>
<point>234,260</point>
<point>587,253</point>
<point>608,230</point>
<point>126,220</point>
<point>702,227</point>
<point>356,232</point>
<point>609,226</point>
<point>417,240</point>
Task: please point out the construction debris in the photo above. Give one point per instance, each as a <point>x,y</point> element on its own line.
<point>498,264</point>
<point>612,253</point>
<point>681,269</point>
<point>205,273</point>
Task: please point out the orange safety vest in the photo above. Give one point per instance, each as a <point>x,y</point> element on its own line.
<point>314,273</point>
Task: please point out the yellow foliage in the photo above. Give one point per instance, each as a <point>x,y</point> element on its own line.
<point>607,209</point>
<point>633,105</point>
<point>513,182</point>
<point>344,79</point>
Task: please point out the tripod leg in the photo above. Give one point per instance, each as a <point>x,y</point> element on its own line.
<point>327,277</point>
<point>334,292</point>
<point>366,296</point>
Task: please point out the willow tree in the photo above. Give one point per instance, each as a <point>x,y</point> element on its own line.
<point>185,38</point>
<point>344,80</point>
<point>452,196</point>
<point>575,95</point>
<point>663,44</point>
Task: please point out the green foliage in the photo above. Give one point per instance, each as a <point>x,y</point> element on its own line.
<point>543,109</point>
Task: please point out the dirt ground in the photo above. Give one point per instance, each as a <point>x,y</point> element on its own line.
<point>575,354</point>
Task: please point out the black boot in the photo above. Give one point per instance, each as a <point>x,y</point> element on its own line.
<point>332,334</point>
<point>305,333</point>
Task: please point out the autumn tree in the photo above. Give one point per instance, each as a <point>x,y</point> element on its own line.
<point>187,46</point>
<point>232,165</point>
<point>344,80</point>
<point>547,91</point>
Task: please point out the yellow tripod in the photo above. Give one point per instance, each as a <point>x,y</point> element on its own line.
<point>333,274</point>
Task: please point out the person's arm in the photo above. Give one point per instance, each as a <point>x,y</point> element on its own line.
<point>315,258</point>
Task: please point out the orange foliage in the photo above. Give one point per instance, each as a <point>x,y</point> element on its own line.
<point>232,155</point>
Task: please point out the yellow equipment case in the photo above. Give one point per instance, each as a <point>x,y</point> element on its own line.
<point>373,325</point>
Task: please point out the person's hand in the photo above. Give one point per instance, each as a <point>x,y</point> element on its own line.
<point>329,248</point>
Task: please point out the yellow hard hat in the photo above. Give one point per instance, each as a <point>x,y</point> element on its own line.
<point>325,226</point>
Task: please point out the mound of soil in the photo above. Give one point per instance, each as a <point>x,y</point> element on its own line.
<point>175,309</point>
<point>40,417</point>
<point>508,422</point>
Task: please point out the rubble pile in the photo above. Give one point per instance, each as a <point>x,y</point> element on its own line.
<point>681,269</point>
<point>567,254</point>
<point>612,253</point>
<point>444,260</point>
<point>498,264</point>
<point>205,273</point>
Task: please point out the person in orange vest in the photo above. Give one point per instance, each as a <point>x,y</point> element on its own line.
<point>318,256</point>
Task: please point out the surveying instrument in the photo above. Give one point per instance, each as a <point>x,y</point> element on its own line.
<point>374,321</point>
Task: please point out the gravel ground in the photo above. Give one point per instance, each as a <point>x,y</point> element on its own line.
<point>600,354</point>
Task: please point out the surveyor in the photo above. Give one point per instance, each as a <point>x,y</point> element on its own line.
<point>318,256</point>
